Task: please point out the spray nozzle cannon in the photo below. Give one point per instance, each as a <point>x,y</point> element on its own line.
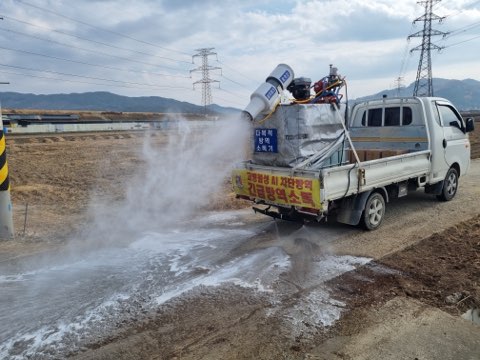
<point>265,97</point>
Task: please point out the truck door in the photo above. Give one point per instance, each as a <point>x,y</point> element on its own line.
<point>455,140</point>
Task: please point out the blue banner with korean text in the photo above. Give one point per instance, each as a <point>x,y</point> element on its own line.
<point>266,140</point>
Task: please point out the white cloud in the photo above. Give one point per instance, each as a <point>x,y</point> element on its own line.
<point>366,39</point>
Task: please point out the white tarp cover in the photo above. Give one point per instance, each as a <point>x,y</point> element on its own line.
<point>303,130</point>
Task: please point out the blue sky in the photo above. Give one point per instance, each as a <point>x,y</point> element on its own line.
<point>145,47</point>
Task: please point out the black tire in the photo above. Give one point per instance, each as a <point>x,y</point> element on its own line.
<point>450,185</point>
<point>374,211</point>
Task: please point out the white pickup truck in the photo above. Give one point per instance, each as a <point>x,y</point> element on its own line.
<point>380,150</point>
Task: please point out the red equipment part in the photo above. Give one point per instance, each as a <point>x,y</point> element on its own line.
<point>318,86</point>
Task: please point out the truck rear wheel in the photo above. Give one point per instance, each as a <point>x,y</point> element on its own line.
<point>374,211</point>
<point>450,185</point>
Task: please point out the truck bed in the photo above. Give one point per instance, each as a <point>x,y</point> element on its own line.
<point>287,187</point>
<point>372,174</point>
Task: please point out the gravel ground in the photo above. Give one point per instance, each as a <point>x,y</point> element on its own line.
<point>418,255</point>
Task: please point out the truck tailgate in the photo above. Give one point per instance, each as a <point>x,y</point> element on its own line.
<point>278,186</point>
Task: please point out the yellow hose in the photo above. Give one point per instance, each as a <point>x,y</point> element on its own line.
<point>269,114</point>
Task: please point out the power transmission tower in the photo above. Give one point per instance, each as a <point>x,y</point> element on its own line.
<point>423,83</point>
<point>399,85</point>
<point>205,69</point>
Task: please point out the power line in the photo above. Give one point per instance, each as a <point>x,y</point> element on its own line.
<point>79,62</point>
<point>95,52</point>
<point>238,72</point>
<point>81,82</point>
<point>94,41</point>
<point>229,92</point>
<point>229,101</point>
<point>3,83</point>
<point>235,82</point>
<point>100,28</point>
<point>458,32</point>
<point>462,30</point>
<point>404,63</point>
<point>91,77</point>
<point>405,57</point>
<point>461,42</point>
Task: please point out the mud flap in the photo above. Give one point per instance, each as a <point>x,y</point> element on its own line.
<point>351,208</point>
<point>435,189</point>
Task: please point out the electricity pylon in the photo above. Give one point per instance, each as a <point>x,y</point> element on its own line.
<point>423,83</point>
<point>205,69</point>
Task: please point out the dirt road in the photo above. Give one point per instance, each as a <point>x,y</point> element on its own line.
<point>261,290</point>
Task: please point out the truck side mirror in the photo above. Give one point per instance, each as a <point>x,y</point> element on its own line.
<point>469,125</point>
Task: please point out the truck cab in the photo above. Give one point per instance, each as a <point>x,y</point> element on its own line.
<point>406,125</point>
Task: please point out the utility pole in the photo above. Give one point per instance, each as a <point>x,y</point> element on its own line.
<point>6,211</point>
<point>205,69</point>
<point>423,83</point>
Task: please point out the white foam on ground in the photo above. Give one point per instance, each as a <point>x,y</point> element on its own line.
<point>38,341</point>
<point>184,240</point>
<point>28,275</point>
<point>183,247</point>
<point>258,271</point>
<point>188,258</point>
<point>329,266</point>
<point>318,308</point>
<point>178,251</point>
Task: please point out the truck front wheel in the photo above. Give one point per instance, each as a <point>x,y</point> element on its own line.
<point>374,211</point>
<point>450,185</point>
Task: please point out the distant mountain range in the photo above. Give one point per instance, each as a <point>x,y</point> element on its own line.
<point>105,101</point>
<point>464,94</point>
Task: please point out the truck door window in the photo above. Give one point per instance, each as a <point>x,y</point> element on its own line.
<point>449,117</point>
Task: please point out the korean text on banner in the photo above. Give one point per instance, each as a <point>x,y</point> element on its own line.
<point>278,189</point>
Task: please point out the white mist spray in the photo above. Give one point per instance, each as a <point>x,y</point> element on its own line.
<point>178,179</point>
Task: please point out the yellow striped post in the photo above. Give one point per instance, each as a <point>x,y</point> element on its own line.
<point>6,211</point>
